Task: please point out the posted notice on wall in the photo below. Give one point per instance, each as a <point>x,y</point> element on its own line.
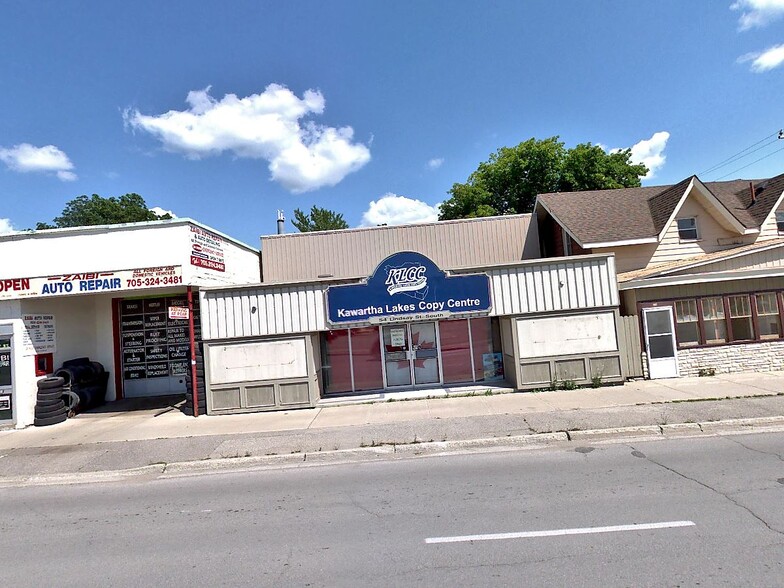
<point>40,334</point>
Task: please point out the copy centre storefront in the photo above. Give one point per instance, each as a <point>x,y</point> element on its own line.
<point>409,325</point>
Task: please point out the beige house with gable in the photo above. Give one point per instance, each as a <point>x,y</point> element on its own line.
<point>701,264</point>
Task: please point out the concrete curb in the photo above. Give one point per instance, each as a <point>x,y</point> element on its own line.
<point>390,451</point>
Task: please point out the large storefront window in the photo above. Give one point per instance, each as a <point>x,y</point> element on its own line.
<point>352,360</point>
<point>455,351</point>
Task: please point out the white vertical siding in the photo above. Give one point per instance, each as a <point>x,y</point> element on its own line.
<point>573,283</point>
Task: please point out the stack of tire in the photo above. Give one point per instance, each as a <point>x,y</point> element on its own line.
<point>201,390</point>
<point>50,408</point>
<point>87,379</point>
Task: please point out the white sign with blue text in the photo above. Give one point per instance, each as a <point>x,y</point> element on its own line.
<point>408,286</point>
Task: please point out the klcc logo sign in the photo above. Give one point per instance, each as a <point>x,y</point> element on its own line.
<point>408,286</point>
<point>410,278</point>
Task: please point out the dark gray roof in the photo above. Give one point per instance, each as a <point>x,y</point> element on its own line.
<point>625,214</point>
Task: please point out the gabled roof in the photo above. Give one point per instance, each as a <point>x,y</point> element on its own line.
<point>641,214</point>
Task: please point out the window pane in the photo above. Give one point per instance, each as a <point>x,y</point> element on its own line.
<point>482,340</point>
<point>687,229</point>
<point>686,311</point>
<point>739,306</point>
<point>366,353</point>
<point>712,308</point>
<point>742,329</point>
<point>715,331</point>
<point>688,334</point>
<point>336,366</point>
<point>768,311</point>
<point>660,346</point>
<point>455,351</point>
<point>780,221</point>
<point>658,322</point>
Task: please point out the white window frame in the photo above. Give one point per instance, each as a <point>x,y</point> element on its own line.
<point>780,221</point>
<point>683,239</point>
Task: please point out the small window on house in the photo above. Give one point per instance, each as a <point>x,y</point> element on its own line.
<point>768,313</point>
<point>687,229</point>
<point>688,327</point>
<point>780,222</point>
<point>740,318</point>
<point>713,320</point>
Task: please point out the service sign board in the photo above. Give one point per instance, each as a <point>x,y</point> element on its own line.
<point>207,250</point>
<point>40,333</point>
<point>408,286</point>
<point>91,282</point>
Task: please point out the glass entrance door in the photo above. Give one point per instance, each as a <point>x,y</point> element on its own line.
<point>411,356</point>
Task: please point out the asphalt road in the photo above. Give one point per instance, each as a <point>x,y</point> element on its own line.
<point>716,505</point>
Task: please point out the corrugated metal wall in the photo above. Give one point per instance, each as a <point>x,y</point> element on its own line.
<point>573,283</point>
<point>355,253</point>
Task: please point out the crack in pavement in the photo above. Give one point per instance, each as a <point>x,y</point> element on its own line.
<point>773,453</point>
<point>712,489</point>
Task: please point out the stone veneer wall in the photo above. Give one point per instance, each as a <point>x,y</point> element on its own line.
<point>725,359</point>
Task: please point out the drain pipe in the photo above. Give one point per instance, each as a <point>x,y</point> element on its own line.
<point>194,382</point>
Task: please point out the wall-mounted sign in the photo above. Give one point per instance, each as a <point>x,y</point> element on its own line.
<point>91,282</point>
<point>207,250</point>
<point>407,286</point>
<point>40,333</point>
<point>179,313</point>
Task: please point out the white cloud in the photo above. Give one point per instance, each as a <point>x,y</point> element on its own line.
<point>767,60</point>
<point>161,211</point>
<point>25,158</point>
<point>757,13</point>
<point>435,163</point>
<point>6,226</point>
<point>392,209</point>
<point>302,155</point>
<point>651,152</point>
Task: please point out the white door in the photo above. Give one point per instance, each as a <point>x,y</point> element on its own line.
<point>660,342</point>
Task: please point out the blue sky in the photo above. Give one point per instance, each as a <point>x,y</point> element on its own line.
<point>227,111</point>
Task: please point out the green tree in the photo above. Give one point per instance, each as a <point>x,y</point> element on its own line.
<point>319,219</point>
<point>509,181</point>
<point>95,210</point>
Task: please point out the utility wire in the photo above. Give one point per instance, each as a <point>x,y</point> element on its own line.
<point>736,158</point>
<point>748,164</point>
<point>739,154</point>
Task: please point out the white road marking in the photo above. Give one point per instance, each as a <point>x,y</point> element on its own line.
<point>559,532</point>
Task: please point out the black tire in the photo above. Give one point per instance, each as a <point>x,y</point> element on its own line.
<point>49,395</point>
<point>50,421</point>
<point>49,413</point>
<point>49,403</point>
<point>97,368</point>
<point>67,374</point>
<point>50,383</point>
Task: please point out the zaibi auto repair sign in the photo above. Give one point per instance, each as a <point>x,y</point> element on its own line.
<point>207,250</point>
<point>91,283</point>
<point>408,286</point>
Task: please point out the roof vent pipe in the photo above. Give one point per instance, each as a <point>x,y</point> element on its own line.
<point>753,194</point>
<point>281,221</point>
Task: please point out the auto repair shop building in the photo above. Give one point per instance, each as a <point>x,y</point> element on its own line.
<point>118,294</point>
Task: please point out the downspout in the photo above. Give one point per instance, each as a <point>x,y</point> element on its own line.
<point>194,383</point>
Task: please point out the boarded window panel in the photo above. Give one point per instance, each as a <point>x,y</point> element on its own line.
<point>261,360</point>
<point>536,373</point>
<point>366,351</point>
<point>455,351</point>
<point>567,335</point>
<point>572,369</point>
<point>604,367</point>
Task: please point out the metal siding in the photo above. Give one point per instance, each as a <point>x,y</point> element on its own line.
<point>356,252</point>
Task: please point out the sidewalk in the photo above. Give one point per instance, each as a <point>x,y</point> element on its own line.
<point>110,441</point>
